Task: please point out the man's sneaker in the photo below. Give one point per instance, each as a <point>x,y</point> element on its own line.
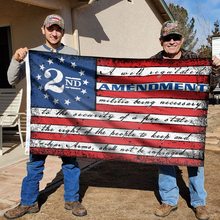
<point>77,208</point>
<point>201,213</point>
<point>164,210</point>
<point>21,210</point>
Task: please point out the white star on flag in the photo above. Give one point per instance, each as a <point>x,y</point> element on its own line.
<point>38,77</point>
<point>55,101</point>
<point>50,61</point>
<point>85,82</point>
<point>77,98</point>
<point>73,64</point>
<point>46,96</point>
<point>61,59</point>
<point>67,102</point>
<point>83,91</point>
<point>42,67</point>
<point>81,73</point>
<point>40,87</point>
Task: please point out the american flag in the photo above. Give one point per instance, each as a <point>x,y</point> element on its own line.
<point>140,110</point>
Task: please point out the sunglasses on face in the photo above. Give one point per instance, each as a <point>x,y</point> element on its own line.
<point>169,38</point>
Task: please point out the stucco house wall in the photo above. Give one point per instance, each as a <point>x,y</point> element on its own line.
<point>119,29</point>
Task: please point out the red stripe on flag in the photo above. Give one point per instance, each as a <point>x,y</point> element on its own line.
<point>118,140</point>
<point>121,157</point>
<point>152,62</point>
<point>154,78</point>
<point>156,94</point>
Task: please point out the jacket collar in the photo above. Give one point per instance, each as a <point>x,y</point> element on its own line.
<point>51,50</point>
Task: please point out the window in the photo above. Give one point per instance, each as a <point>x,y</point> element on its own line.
<point>5,55</point>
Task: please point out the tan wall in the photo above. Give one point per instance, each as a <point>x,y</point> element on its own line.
<point>118,28</point>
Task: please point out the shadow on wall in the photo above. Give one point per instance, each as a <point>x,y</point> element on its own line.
<point>87,23</point>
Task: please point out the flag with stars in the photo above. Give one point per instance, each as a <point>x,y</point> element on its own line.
<point>140,110</point>
<point>62,81</point>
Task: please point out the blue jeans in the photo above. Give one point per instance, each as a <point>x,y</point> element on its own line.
<point>35,167</point>
<point>169,190</point>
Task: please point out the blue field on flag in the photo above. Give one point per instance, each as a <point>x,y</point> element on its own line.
<point>62,81</point>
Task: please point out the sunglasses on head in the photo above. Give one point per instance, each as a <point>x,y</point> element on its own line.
<point>169,38</point>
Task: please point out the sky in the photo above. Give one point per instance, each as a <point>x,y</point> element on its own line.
<point>205,12</point>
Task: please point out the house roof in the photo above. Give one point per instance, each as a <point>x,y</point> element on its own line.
<point>163,9</point>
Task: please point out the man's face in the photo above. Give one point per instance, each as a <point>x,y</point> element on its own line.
<point>53,34</point>
<point>172,44</point>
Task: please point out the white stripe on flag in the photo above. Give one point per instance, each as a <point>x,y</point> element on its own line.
<point>153,102</point>
<point>120,117</point>
<point>121,133</point>
<point>120,149</point>
<point>149,71</point>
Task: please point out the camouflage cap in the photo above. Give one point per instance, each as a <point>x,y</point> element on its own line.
<point>54,19</point>
<point>170,27</point>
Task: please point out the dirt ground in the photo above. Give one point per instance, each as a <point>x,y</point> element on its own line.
<point>114,190</point>
<point>213,118</point>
